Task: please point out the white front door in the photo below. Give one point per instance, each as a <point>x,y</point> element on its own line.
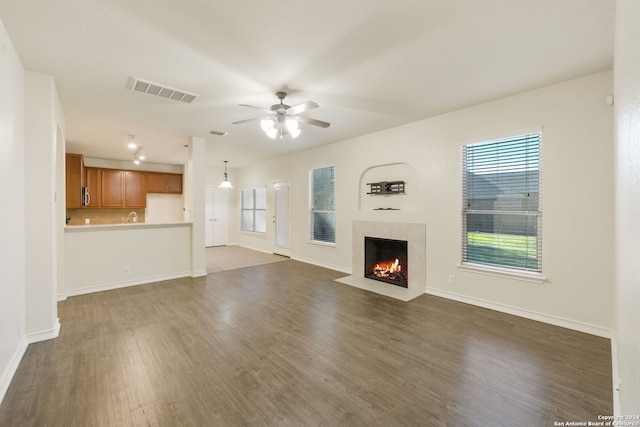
<point>281,218</point>
<point>216,207</point>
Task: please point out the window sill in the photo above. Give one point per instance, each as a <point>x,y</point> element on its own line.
<point>320,243</point>
<point>503,272</point>
<point>254,233</point>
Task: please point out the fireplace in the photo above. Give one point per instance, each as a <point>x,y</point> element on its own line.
<point>386,260</point>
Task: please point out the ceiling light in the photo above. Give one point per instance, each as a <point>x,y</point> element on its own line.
<point>266,124</point>
<point>280,128</point>
<point>132,142</point>
<point>225,182</point>
<point>139,155</point>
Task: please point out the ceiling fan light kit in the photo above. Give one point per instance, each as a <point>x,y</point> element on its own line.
<point>283,120</point>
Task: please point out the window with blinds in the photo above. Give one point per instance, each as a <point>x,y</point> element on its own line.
<point>254,210</point>
<point>323,216</point>
<point>501,215</point>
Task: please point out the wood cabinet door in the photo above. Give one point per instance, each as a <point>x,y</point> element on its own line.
<point>135,189</point>
<point>94,187</point>
<point>174,183</point>
<point>74,180</point>
<point>112,188</point>
<point>156,182</point>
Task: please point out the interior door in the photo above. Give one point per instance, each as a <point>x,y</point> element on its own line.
<point>281,218</point>
<point>216,215</point>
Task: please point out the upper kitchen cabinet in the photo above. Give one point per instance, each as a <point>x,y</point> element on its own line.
<point>74,180</point>
<point>135,189</point>
<point>123,189</point>
<point>112,187</point>
<point>93,181</point>
<point>174,183</point>
<point>158,182</point>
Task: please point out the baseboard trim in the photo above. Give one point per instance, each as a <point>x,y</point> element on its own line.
<point>126,284</point>
<point>615,376</point>
<point>12,367</point>
<point>199,273</point>
<point>255,249</point>
<point>532,315</point>
<point>45,335</point>
<point>323,265</point>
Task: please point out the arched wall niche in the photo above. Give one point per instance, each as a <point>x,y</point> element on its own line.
<point>389,172</point>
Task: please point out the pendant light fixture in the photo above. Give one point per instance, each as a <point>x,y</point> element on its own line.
<point>225,182</point>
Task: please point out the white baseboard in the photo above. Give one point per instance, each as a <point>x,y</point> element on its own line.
<point>255,249</point>
<point>12,367</point>
<point>198,273</point>
<point>532,315</point>
<point>615,376</point>
<point>323,265</point>
<point>45,335</point>
<point>125,284</point>
<point>62,297</point>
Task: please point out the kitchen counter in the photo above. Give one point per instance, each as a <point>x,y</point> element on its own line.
<point>108,256</point>
<point>127,225</point>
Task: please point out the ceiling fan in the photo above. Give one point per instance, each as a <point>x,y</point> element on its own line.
<point>282,120</point>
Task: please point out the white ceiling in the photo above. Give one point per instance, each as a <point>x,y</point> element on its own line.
<point>369,64</point>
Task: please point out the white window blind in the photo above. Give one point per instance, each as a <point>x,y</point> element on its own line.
<point>254,214</point>
<point>501,215</point>
<point>323,216</point>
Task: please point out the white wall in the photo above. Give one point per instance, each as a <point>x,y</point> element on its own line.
<point>577,199</point>
<point>252,177</point>
<point>109,257</point>
<point>164,208</point>
<point>12,219</point>
<point>195,175</point>
<point>41,136</point>
<point>627,101</point>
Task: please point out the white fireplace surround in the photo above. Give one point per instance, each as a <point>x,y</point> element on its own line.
<point>414,234</point>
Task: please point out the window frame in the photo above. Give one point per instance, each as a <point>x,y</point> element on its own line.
<point>253,210</point>
<point>501,270</point>
<point>313,210</point>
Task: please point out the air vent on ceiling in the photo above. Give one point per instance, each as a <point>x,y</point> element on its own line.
<point>218,133</point>
<point>163,91</point>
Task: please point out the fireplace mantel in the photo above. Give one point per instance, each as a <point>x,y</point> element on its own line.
<point>414,234</point>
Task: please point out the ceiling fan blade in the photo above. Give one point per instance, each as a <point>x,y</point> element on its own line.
<point>301,108</point>
<point>241,122</point>
<point>256,108</point>
<point>310,121</point>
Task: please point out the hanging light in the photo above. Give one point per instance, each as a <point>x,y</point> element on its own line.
<point>225,182</point>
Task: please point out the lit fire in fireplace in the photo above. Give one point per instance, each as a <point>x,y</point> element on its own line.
<point>391,270</point>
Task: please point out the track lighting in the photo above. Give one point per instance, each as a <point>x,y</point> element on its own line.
<point>132,142</point>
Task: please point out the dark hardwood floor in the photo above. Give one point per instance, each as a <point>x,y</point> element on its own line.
<point>283,345</point>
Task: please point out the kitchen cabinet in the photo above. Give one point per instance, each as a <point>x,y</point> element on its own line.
<point>93,181</point>
<point>174,183</point>
<point>123,189</point>
<point>74,180</point>
<point>112,187</point>
<point>158,182</point>
<point>135,189</point>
